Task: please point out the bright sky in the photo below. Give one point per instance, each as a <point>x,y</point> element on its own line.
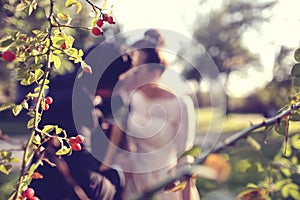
<point>284,28</point>
<point>168,14</point>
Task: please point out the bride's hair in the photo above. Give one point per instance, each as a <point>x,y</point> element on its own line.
<point>150,45</point>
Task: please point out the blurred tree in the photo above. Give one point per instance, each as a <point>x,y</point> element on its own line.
<point>220,31</point>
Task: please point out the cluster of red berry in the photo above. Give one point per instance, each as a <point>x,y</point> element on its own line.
<point>105,18</point>
<point>45,102</point>
<point>28,194</point>
<point>8,56</point>
<point>76,142</point>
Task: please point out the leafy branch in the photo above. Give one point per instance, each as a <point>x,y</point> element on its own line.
<point>27,151</point>
<point>33,57</point>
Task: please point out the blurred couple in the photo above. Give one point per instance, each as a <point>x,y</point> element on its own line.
<point>148,141</point>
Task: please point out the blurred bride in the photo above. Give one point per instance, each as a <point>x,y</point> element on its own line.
<point>159,126</point>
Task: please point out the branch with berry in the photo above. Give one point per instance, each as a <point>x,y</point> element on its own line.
<point>33,56</point>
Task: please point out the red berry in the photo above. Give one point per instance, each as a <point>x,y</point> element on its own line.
<point>73,140</point>
<point>49,100</point>
<point>28,193</point>
<point>110,20</point>
<point>80,139</point>
<point>45,106</point>
<point>8,56</point>
<point>76,147</point>
<point>63,46</point>
<point>27,49</point>
<point>100,23</point>
<point>97,31</point>
<point>105,17</point>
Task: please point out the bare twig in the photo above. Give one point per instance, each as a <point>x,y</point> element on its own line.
<point>93,5</point>
<point>70,26</point>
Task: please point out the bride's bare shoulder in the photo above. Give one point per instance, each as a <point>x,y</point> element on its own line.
<point>156,90</point>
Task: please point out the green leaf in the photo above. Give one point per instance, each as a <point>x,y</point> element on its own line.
<point>36,66</point>
<point>295,194</point>
<point>14,160</point>
<point>242,165</point>
<point>80,52</point>
<point>38,74</point>
<point>15,34</point>
<point>37,89</point>
<point>30,123</point>
<point>6,154</point>
<point>253,143</point>
<point>289,190</point>
<point>286,172</point>
<point>297,55</point>
<point>36,140</point>
<point>21,6</point>
<point>17,109</point>
<point>73,52</point>
<point>48,128</point>
<point>36,32</point>
<point>56,60</point>
<point>259,167</point>
<point>32,7</point>
<point>64,150</point>
<point>6,106</point>
<point>70,3</point>
<point>29,80</point>
<point>46,82</point>
<point>194,151</point>
<point>5,169</point>
<point>288,150</point>
<point>32,95</point>
<point>58,130</point>
<point>6,42</point>
<point>31,113</point>
<point>296,70</point>
<point>280,183</point>
<point>63,16</point>
<point>28,157</point>
<point>295,141</point>
<point>58,40</point>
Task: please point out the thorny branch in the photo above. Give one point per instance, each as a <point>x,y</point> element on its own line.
<point>191,170</point>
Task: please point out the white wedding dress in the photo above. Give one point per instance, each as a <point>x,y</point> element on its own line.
<point>160,127</point>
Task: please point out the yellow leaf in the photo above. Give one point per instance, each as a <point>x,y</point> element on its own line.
<point>174,187</point>
<point>17,109</point>
<point>79,7</point>
<point>63,16</point>
<point>250,194</point>
<point>70,3</point>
